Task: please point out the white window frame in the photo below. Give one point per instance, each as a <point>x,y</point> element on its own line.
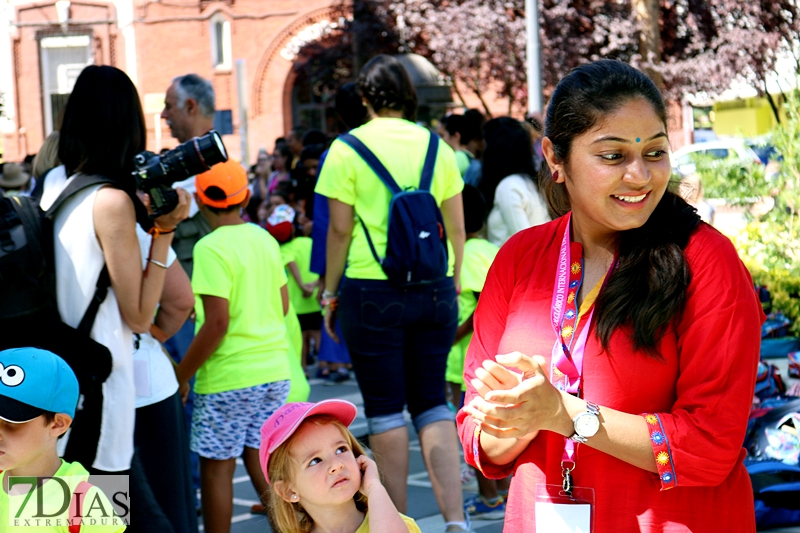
<point>66,74</point>
<point>226,62</point>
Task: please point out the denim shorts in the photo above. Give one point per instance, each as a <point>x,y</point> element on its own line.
<point>224,423</point>
<point>398,339</point>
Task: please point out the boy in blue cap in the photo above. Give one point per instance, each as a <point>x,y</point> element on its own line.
<point>38,397</point>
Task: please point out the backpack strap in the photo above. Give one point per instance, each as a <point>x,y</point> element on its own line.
<point>430,162</point>
<point>30,216</point>
<point>371,160</point>
<point>77,183</point>
<point>76,507</point>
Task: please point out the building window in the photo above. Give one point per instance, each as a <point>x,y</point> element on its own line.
<point>62,60</point>
<point>220,42</point>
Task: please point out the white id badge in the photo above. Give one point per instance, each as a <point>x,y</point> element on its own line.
<point>557,512</point>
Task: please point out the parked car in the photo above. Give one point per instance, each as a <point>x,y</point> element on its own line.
<point>684,160</point>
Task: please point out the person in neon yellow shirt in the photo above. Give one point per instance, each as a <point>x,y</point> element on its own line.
<point>38,397</point>
<point>398,338</point>
<point>240,350</point>
<point>303,286</point>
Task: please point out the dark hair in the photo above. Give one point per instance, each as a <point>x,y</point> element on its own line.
<point>385,83</point>
<point>648,288</point>
<point>314,137</point>
<point>474,209</point>
<point>453,123</point>
<point>284,150</point>
<point>349,106</point>
<point>49,417</point>
<point>312,151</point>
<point>508,151</point>
<point>472,126</point>
<point>103,126</point>
<point>216,193</point>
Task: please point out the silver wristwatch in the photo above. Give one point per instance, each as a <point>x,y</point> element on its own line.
<point>586,424</point>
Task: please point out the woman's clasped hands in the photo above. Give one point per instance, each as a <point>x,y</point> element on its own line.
<point>516,398</point>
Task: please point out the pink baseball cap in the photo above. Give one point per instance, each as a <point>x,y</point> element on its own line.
<point>285,421</point>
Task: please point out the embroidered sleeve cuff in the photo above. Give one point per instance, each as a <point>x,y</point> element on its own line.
<point>662,452</point>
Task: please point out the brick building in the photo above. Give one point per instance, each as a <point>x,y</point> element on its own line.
<point>48,43</point>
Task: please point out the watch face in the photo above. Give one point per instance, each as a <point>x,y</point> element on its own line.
<point>587,424</point>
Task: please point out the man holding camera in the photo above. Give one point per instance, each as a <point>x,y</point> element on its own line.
<point>189,112</point>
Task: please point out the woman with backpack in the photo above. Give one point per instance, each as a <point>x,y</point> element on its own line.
<point>102,130</point>
<point>398,333</point>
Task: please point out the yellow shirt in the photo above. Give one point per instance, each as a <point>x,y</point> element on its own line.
<point>401,146</point>
<point>478,257</point>
<point>412,526</point>
<point>98,514</point>
<point>243,265</point>
<point>298,251</point>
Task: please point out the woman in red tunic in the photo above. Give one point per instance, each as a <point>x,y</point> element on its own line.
<point>615,348</point>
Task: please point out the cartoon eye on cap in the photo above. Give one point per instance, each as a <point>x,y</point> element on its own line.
<point>12,375</point>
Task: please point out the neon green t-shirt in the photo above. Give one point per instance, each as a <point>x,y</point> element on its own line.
<point>462,160</point>
<point>98,515</point>
<point>401,146</point>
<point>410,524</point>
<point>299,251</point>
<point>478,257</point>
<point>242,264</point>
<point>300,389</point>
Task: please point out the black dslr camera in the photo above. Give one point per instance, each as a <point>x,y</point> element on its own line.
<point>155,173</point>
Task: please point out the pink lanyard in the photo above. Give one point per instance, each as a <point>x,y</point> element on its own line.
<point>566,368</point>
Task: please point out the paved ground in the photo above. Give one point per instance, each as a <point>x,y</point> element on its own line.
<point>421,502</point>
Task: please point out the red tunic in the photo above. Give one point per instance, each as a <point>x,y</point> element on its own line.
<point>700,392</point>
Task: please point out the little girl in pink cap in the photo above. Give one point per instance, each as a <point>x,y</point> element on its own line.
<point>320,478</point>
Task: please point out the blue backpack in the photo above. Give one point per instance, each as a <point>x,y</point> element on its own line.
<point>416,245</point>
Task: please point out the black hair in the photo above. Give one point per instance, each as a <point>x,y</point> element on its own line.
<point>453,123</point>
<point>314,137</point>
<point>103,126</point>
<point>312,151</point>
<point>472,126</point>
<point>49,417</point>
<point>385,83</point>
<point>284,150</point>
<point>349,106</point>
<point>508,151</point>
<point>474,209</point>
<point>648,288</point>
<point>216,193</point>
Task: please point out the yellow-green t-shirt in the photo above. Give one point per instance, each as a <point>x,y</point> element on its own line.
<point>97,512</point>
<point>462,160</point>
<point>401,146</point>
<point>478,257</point>
<point>300,389</point>
<point>412,526</point>
<point>298,250</point>
<point>242,264</point>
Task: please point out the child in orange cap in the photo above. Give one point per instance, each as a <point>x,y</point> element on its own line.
<point>240,350</point>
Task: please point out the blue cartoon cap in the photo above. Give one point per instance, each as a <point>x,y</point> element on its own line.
<point>33,381</point>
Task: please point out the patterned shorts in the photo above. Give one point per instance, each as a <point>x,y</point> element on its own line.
<point>224,423</point>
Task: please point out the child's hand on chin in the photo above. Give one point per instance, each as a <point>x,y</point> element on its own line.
<point>369,474</point>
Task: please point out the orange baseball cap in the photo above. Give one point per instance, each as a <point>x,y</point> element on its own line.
<point>224,185</point>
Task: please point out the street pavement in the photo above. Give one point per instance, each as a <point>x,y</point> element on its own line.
<point>421,501</point>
